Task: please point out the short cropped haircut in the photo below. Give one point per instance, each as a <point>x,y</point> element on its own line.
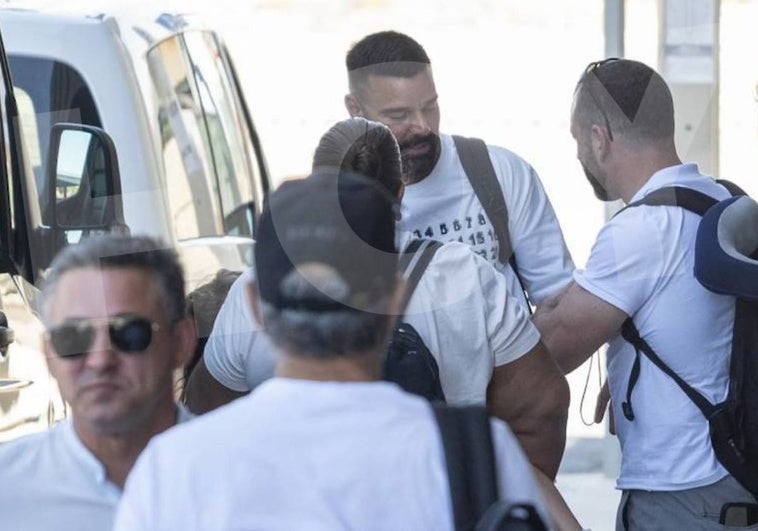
<point>121,252</point>
<point>386,53</point>
<point>324,335</point>
<point>363,147</point>
<point>635,98</point>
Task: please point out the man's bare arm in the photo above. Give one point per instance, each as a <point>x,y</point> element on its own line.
<point>205,393</point>
<point>575,324</point>
<point>563,518</point>
<point>532,396</point>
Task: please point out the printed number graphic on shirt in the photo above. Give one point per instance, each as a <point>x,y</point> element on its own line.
<point>473,230</point>
<point>726,262</point>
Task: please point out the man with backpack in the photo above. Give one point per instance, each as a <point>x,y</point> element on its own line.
<point>670,338</point>
<point>457,189</point>
<point>458,307</point>
<point>458,318</point>
<point>324,444</point>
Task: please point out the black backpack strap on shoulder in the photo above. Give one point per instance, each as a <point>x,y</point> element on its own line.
<point>731,187</point>
<point>476,162</point>
<point>687,198</point>
<point>470,458</point>
<point>477,165</point>
<point>413,262</point>
<point>630,333</point>
<point>698,203</point>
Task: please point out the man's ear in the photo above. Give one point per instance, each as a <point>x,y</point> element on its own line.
<point>254,301</point>
<point>600,140</point>
<point>352,106</point>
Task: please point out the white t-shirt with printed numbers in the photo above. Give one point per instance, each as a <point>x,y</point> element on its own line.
<point>443,206</point>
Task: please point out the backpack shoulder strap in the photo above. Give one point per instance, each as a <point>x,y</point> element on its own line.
<point>630,333</point>
<point>733,189</point>
<point>476,162</point>
<point>470,458</point>
<point>698,203</point>
<point>684,197</point>
<point>413,262</point>
<point>687,198</point>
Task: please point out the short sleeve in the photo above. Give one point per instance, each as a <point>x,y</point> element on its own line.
<point>627,260</point>
<point>544,262</point>
<point>510,331</point>
<point>232,338</point>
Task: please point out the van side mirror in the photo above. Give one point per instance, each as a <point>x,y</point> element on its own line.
<point>83,183</point>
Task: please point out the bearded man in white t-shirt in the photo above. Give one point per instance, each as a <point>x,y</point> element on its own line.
<point>487,350</point>
<point>391,82</point>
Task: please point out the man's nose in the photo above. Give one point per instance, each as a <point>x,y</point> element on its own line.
<point>419,122</point>
<point>101,353</point>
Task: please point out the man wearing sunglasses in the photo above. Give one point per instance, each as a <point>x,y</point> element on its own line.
<point>641,267</point>
<point>114,313</point>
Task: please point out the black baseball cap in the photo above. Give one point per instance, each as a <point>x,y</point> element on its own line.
<point>337,231</point>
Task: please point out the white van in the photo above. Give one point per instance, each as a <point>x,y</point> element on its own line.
<point>191,168</point>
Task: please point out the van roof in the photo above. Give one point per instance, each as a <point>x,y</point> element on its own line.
<point>151,27</point>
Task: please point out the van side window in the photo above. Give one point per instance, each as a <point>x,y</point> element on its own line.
<point>48,92</point>
<point>224,128</point>
<point>207,168</point>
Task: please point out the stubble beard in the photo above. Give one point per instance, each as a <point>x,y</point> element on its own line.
<point>600,191</point>
<point>417,167</point>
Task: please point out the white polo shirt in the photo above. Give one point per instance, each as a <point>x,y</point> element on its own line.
<point>51,481</point>
<point>642,263</point>
<point>298,454</point>
<point>461,309</point>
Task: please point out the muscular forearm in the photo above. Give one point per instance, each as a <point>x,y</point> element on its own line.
<point>576,324</point>
<point>567,346</point>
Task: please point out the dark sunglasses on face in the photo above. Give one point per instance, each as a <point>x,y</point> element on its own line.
<point>593,67</point>
<point>128,333</point>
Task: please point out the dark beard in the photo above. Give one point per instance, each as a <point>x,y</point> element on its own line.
<point>418,167</point>
<point>600,192</point>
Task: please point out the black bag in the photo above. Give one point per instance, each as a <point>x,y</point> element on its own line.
<point>470,458</point>
<point>733,423</point>
<point>477,165</point>
<point>408,362</point>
